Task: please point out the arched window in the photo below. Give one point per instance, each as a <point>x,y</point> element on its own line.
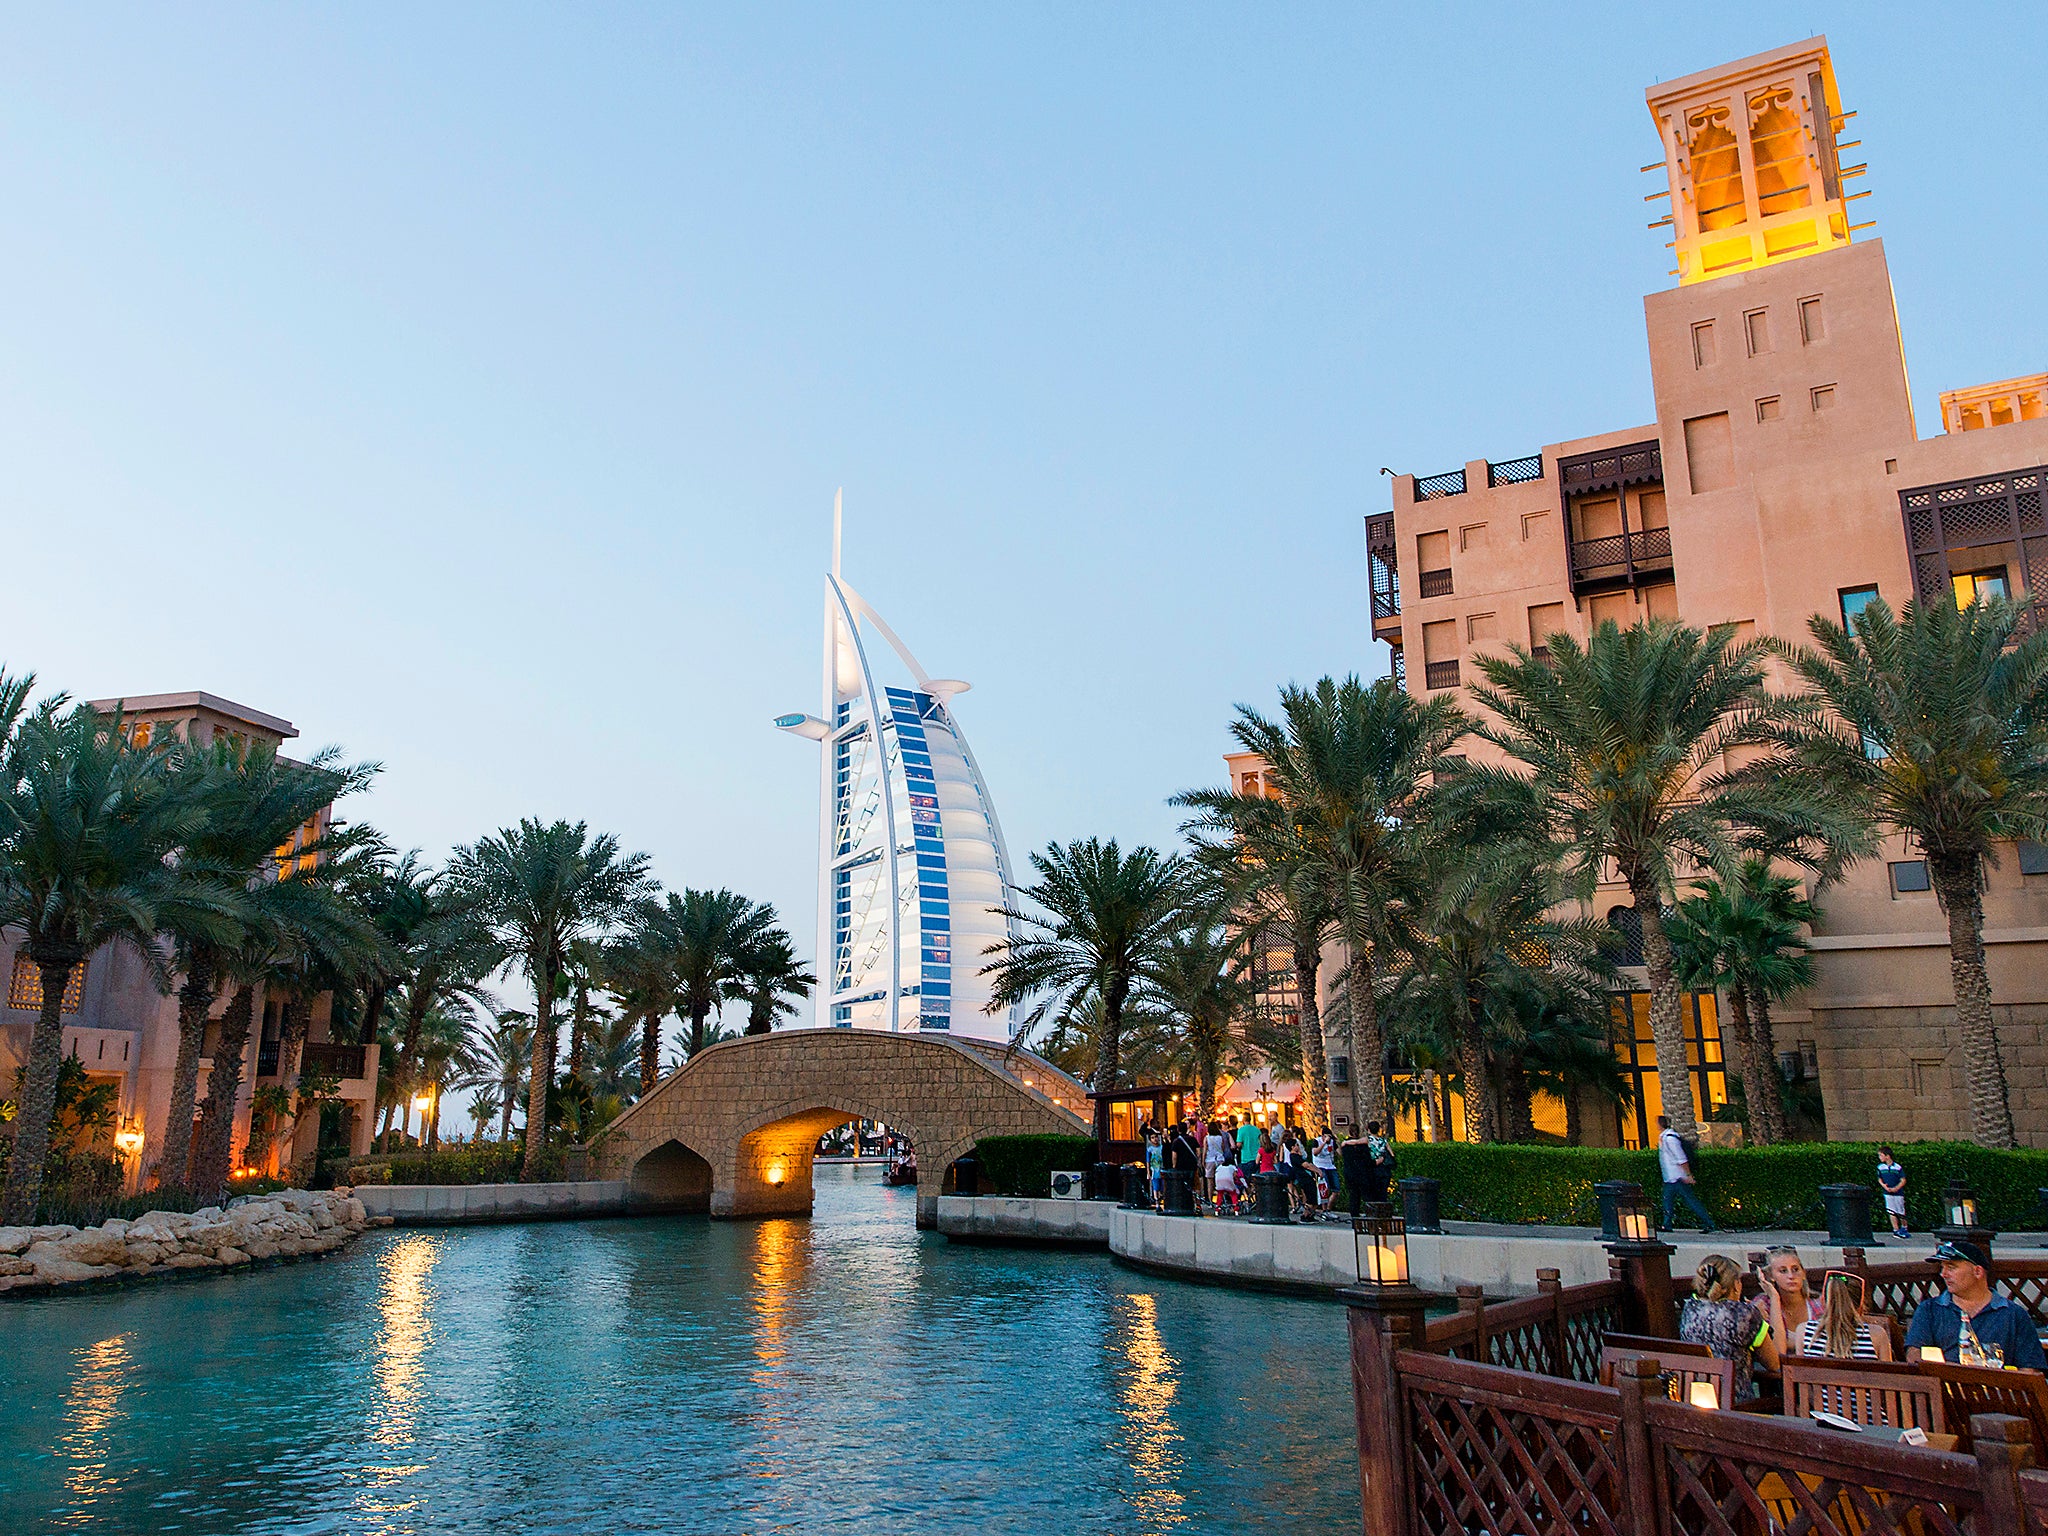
<point>1716,169</point>
<point>1777,148</point>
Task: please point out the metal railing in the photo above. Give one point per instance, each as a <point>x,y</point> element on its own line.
<point>1434,583</point>
<point>1515,471</point>
<point>1440,674</point>
<point>1621,549</point>
<point>1449,483</point>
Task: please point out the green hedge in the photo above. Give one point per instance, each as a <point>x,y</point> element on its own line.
<point>490,1162</point>
<point>1024,1165</point>
<point>1743,1187</point>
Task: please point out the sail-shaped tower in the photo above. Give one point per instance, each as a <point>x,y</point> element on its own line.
<point>912,869</point>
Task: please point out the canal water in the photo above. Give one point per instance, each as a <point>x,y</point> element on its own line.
<point>680,1376</point>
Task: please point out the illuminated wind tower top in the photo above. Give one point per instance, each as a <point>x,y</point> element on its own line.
<point>1752,151</point>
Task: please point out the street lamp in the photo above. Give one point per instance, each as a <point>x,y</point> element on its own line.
<point>1959,1205</point>
<point>1643,1264</point>
<point>423,1101</point>
<point>129,1137</point>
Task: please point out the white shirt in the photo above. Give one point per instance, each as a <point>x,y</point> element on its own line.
<point>1213,1151</point>
<point>1671,1158</point>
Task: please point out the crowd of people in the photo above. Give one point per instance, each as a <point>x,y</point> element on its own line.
<point>1759,1320</point>
<point>1223,1154</point>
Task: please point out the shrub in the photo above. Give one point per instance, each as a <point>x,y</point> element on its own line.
<point>1024,1165</point>
<point>1743,1187</point>
<point>488,1162</point>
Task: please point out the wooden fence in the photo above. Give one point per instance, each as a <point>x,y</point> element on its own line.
<point>1492,1422</point>
<point>1898,1287</point>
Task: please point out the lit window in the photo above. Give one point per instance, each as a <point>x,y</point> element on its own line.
<point>25,986</point>
<point>1985,584</point>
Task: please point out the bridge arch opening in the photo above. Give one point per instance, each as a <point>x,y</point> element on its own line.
<point>670,1178</point>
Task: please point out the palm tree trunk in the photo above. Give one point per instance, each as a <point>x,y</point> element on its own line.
<point>38,1101</point>
<point>1315,1072</point>
<point>650,1053</point>
<point>542,1075</point>
<point>195,1001</point>
<point>511,1092</point>
<point>1955,882</point>
<point>1574,1116</point>
<point>293,1028</point>
<point>1517,1102</point>
<point>1108,1065</point>
<point>576,1016</point>
<point>1482,1122</point>
<point>1674,1077</point>
<point>1763,1042</point>
<point>1757,1091</point>
<point>1367,1040</point>
<point>216,1135</point>
<point>373,1012</point>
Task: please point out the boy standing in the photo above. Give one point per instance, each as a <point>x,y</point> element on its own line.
<point>1891,1178</point>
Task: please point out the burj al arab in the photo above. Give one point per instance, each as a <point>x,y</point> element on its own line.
<point>912,869</point>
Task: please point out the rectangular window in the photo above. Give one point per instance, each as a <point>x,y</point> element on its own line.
<point>25,986</point>
<point>1545,620</point>
<point>1824,397</point>
<point>1767,409</point>
<point>2033,857</point>
<point>1908,876</point>
<point>1811,328</point>
<point>1703,351</point>
<point>1756,325</point>
<point>1710,452</point>
<point>1854,601</point>
<point>1986,584</point>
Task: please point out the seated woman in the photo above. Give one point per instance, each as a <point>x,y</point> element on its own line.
<point>1841,1331</point>
<point>1732,1328</point>
<point>1784,1274</point>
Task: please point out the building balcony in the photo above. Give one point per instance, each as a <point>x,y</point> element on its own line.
<point>1622,559</point>
<point>1434,583</point>
<point>326,1058</point>
<point>1384,573</point>
<point>1440,674</point>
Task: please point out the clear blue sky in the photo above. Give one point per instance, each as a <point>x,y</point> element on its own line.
<point>470,384</point>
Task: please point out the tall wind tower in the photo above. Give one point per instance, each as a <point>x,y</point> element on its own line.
<point>912,869</point>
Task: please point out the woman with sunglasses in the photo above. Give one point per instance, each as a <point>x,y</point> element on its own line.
<point>1784,1281</point>
<point>1840,1331</point>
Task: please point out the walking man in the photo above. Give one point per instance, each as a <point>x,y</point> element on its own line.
<point>1676,1167</point>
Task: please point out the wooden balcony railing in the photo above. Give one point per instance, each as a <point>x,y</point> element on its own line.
<point>1648,548</point>
<point>1440,674</point>
<point>1450,483</point>
<point>1434,583</point>
<point>328,1059</point>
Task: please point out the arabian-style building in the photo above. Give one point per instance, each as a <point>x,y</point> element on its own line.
<point>124,1031</point>
<point>1780,475</point>
<point>912,868</point>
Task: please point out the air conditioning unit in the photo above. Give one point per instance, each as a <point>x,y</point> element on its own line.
<point>1340,1071</point>
<point>1069,1186</point>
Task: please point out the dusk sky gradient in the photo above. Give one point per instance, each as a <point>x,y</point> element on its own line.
<point>469,384</point>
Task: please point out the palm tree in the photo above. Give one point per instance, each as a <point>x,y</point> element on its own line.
<point>540,888</point>
<point>1935,722</point>
<point>1621,744</point>
<point>640,971</point>
<point>1197,980</point>
<point>88,826</point>
<point>1741,937</point>
<point>500,1054</point>
<point>584,975</point>
<point>712,932</point>
<point>483,1109</point>
<point>769,976</point>
<point>1098,918</point>
<point>1348,760</point>
<point>254,804</point>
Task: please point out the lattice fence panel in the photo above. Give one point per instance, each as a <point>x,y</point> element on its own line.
<point>1521,1349</point>
<point>1983,523</point>
<point>1479,1467</point>
<point>1723,1494</point>
<point>1583,1334</point>
<point>1920,527</point>
<point>2029,504</point>
<point>1900,1296</point>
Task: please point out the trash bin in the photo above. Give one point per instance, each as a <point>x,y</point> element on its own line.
<point>1421,1205</point>
<point>1105,1181</point>
<point>966,1176</point>
<point>1177,1186</point>
<point>1269,1199</point>
<point>1137,1187</point>
<point>1848,1208</point>
<point>1613,1194</point>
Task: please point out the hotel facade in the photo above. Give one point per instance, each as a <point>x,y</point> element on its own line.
<point>124,1031</point>
<point>1780,475</point>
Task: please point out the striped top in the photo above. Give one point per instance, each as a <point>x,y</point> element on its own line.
<point>1813,1341</point>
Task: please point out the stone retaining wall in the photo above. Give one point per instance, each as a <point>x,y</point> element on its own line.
<point>292,1223</point>
<point>427,1205</point>
<point>1015,1219</point>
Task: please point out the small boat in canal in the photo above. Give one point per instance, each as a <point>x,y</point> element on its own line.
<point>902,1171</point>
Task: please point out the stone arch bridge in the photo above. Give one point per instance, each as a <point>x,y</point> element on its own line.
<point>733,1133</point>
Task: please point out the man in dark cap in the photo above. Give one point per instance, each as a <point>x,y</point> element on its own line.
<point>1971,1323</point>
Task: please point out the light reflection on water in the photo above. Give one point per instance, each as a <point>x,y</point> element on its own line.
<point>843,1374</point>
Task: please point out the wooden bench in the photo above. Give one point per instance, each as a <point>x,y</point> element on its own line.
<point>1969,1389</point>
<point>1682,1365</point>
<point>1864,1391</point>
